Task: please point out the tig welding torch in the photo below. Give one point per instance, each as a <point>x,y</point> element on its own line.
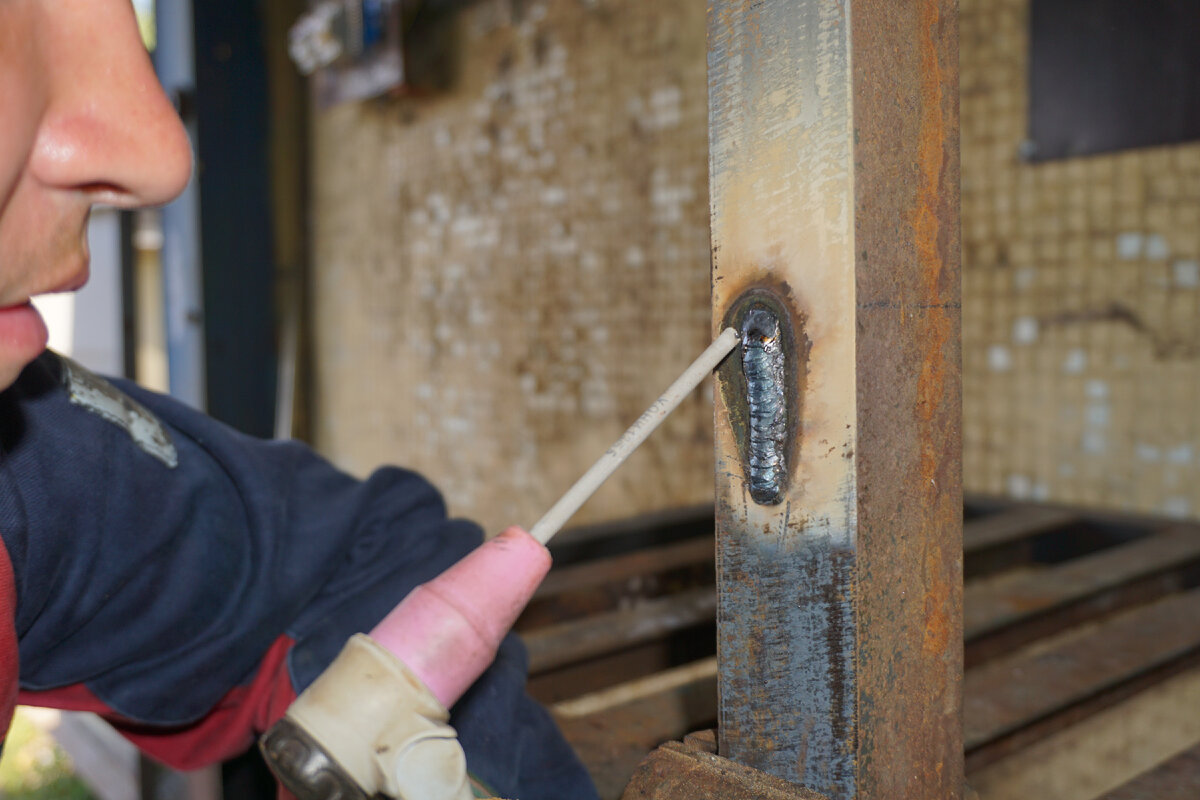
<point>376,721</point>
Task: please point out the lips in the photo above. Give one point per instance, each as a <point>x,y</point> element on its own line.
<point>23,334</point>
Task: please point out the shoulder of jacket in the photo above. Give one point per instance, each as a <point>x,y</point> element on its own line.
<point>97,396</point>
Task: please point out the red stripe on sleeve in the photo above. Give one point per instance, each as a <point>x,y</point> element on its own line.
<point>228,730</point>
<point>9,656</point>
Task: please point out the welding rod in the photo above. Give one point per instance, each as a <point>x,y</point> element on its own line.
<point>621,449</point>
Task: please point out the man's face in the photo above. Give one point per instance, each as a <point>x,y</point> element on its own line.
<point>82,121</point>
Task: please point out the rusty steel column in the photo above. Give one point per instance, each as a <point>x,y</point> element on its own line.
<point>834,188</point>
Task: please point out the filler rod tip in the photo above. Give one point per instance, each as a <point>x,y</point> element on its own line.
<point>621,449</point>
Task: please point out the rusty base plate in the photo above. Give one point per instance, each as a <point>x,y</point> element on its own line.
<point>691,770</point>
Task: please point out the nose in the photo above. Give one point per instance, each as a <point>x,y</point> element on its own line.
<point>108,130</point>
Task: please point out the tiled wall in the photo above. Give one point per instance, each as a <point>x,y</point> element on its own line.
<point>508,273</point>
<point>1081,301</point>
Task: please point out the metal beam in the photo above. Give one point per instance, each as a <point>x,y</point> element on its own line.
<point>834,191</point>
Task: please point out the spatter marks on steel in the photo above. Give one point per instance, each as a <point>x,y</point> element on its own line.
<point>762,391</point>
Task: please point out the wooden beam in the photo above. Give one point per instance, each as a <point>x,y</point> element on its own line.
<point>1006,527</point>
<point>1176,779</point>
<point>1103,751</point>
<point>1013,701</point>
<point>629,566</point>
<point>568,642</point>
<point>1014,610</point>
<point>613,730</point>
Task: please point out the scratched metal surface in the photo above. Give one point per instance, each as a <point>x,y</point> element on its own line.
<point>834,188</point>
<point>781,190</point>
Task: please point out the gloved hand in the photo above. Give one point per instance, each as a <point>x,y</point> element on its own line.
<point>375,722</point>
<point>368,723</point>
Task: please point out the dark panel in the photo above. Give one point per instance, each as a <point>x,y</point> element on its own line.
<point>1112,74</point>
<point>247,777</point>
<point>129,330</point>
<point>236,247</point>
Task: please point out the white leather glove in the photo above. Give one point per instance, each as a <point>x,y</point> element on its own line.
<point>380,724</point>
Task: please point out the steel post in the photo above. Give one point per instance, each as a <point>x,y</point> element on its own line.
<point>834,191</point>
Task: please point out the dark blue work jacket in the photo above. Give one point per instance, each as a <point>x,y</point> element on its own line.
<point>186,581</point>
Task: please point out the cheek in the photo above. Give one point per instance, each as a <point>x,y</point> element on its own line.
<point>22,92</point>
<point>19,222</point>
<point>39,232</point>
<point>22,102</point>
<point>15,242</point>
<point>16,139</point>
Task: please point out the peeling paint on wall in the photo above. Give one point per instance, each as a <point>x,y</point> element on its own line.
<point>508,273</point>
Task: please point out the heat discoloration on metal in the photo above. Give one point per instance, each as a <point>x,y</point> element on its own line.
<point>833,172</point>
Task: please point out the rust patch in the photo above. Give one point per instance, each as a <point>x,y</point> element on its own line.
<point>940,330</point>
<point>940,631</point>
<point>931,157</point>
<point>682,772</point>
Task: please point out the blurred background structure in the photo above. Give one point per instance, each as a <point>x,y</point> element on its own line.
<point>487,271</point>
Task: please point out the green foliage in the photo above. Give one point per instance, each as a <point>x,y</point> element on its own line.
<point>34,768</point>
